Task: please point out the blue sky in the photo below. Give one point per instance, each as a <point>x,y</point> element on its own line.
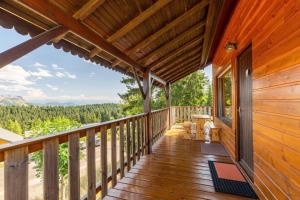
<point>51,75</point>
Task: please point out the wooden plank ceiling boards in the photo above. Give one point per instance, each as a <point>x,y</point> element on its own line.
<point>145,35</point>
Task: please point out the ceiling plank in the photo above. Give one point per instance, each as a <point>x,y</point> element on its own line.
<point>168,27</point>
<point>192,52</point>
<point>148,59</point>
<point>138,20</point>
<point>87,9</point>
<point>180,66</point>
<point>165,29</point>
<point>54,13</point>
<point>175,53</point>
<point>212,9</point>
<point>182,72</point>
<point>94,52</point>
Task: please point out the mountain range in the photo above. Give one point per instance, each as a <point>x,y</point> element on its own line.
<point>7,100</point>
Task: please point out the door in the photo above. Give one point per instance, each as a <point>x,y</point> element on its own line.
<point>245,111</point>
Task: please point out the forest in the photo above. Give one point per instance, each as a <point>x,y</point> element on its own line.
<point>191,90</point>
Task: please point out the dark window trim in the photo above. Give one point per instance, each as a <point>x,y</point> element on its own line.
<point>220,98</point>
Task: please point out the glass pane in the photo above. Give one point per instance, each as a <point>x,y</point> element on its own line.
<point>227,95</point>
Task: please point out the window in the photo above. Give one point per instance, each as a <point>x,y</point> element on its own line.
<point>225,97</point>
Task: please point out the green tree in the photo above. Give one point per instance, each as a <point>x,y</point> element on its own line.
<point>49,127</point>
<point>209,96</point>
<point>14,126</point>
<point>190,91</point>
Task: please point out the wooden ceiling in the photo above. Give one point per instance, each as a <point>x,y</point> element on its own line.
<point>171,38</point>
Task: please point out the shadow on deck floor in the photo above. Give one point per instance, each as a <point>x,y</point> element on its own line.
<point>177,170</point>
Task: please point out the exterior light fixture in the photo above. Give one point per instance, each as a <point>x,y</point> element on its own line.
<point>230,46</point>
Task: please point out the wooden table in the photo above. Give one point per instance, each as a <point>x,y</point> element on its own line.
<point>200,121</point>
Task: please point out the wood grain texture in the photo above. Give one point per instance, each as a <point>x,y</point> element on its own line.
<point>74,166</point>
<point>273,29</point>
<point>91,164</point>
<point>114,155</point>
<point>122,150</point>
<point>16,174</point>
<point>104,181</point>
<point>50,163</point>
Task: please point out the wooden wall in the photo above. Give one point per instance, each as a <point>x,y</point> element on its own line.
<point>273,28</point>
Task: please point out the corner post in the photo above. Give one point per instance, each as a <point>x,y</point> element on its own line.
<point>169,103</point>
<point>147,110</point>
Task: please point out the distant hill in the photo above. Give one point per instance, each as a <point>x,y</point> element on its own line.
<point>12,101</point>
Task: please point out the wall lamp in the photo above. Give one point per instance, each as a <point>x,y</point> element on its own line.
<point>230,46</point>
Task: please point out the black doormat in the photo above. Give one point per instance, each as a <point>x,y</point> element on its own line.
<point>230,186</point>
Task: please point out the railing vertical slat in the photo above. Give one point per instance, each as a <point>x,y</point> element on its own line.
<point>16,174</point>
<point>139,132</point>
<point>103,161</point>
<point>122,149</point>
<point>143,135</point>
<point>133,141</point>
<point>74,167</point>
<point>114,154</point>
<point>128,145</point>
<point>50,163</point>
<point>91,164</point>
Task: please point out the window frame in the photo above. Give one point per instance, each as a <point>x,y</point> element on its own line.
<point>221,97</point>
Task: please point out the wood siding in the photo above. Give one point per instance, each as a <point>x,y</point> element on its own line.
<point>273,28</point>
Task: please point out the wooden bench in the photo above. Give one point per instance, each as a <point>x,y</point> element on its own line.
<point>214,132</point>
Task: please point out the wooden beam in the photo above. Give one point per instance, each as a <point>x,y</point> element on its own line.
<point>172,55</point>
<point>94,52</point>
<point>148,59</point>
<point>60,37</point>
<point>138,20</point>
<point>53,12</point>
<point>184,65</point>
<point>147,110</point>
<point>138,82</point>
<point>87,9</point>
<point>157,78</point>
<point>184,57</point>
<point>165,29</point>
<point>22,49</point>
<point>212,9</point>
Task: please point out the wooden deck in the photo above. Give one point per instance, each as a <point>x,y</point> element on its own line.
<point>175,170</point>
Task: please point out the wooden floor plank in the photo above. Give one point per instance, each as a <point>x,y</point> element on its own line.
<point>175,170</point>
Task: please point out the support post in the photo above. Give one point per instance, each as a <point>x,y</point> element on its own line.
<point>22,49</point>
<point>147,110</point>
<point>169,104</point>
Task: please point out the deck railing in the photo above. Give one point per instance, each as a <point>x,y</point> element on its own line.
<point>132,142</point>
<point>184,113</point>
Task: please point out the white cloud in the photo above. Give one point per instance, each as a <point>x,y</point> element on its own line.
<point>34,94</point>
<point>41,73</point>
<point>72,76</point>
<point>52,87</point>
<point>56,67</point>
<point>37,64</point>
<point>15,74</point>
<point>60,74</point>
<point>65,74</point>
<point>89,62</point>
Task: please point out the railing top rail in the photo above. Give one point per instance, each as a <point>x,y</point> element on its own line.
<point>35,144</point>
<point>159,110</point>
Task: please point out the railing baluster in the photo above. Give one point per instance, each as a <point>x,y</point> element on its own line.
<point>16,174</point>
<point>114,154</point>
<point>91,164</point>
<point>122,149</point>
<point>143,135</point>
<point>133,141</point>
<point>50,163</point>
<point>74,169</point>
<point>139,132</point>
<point>103,161</point>
<point>128,145</point>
